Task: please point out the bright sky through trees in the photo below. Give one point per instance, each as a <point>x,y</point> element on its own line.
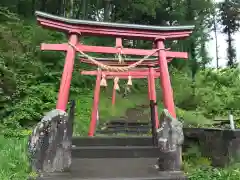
<point>222,47</point>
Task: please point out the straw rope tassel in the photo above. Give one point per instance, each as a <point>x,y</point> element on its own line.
<point>103,81</point>
<point>129,83</point>
<point>116,86</point>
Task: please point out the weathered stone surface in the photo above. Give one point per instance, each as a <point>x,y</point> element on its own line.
<point>170,133</point>
<point>50,143</point>
<point>170,139</point>
<point>222,146</point>
<point>234,150</point>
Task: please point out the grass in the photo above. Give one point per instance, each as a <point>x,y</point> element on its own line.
<point>199,168</point>
<point>13,155</point>
<point>190,118</point>
<point>106,110</point>
<point>13,158</point>
<point>14,162</point>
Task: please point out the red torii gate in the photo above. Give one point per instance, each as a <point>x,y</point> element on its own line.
<point>148,73</point>
<point>76,28</point>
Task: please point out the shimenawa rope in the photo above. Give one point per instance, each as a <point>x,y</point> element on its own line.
<point>113,68</point>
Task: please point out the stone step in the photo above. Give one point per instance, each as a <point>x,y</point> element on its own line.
<point>113,141</point>
<point>138,178</point>
<point>116,152</point>
<point>127,123</point>
<point>115,169</point>
<point>118,127</point>
<point>132,132</point>
<point>129,128</point>
<point>126,127</point>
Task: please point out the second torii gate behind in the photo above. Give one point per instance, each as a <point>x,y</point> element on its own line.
<point>137,74</point>
<point>149,73</point>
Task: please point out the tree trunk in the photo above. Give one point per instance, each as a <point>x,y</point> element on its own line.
<point>71,8</point>
<point>216,41</point>
<point>43,5</point>
<point>231,54</point>
<point>33,6</point>
<point>19,6</point>
<point>170,5</point>
<point>84,9</point>
<point>60,7</point>
<point>107,10</point>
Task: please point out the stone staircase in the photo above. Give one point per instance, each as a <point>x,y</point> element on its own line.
<point>125,127</point>
<point>110,158</point>
<point>128,157</point>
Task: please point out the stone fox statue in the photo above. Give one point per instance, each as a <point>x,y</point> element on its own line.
<point>170,139</point>
<point>50,143</point>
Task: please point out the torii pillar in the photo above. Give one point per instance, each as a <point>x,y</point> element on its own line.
<point>167,92</point>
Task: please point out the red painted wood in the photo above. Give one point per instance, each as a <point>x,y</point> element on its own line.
<point>118,42</point>
<point>113,50</point>
<point>67,75</point>
<point>116,32</point>
<point>165,80</point>
<point>54,47</point>
<point>96,96</point>
<point>149,88</point>
<point>153,93</point>
<point>129,51</point>
<point>113,96</point>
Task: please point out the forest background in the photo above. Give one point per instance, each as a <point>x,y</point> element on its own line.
<point>30,79</point>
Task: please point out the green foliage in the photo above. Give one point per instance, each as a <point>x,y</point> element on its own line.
<point>193,118</point>
<point>29,110</point>
<point>23,98</point>
<point>106,110</point>
<point>214,93</point>
<point>14,162</point>
<point>213,173</point>
<point>237,123</point>
<point>199,168</point>
<point>30,79</point>
<point>219,92</point>
<point>83,114</point>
